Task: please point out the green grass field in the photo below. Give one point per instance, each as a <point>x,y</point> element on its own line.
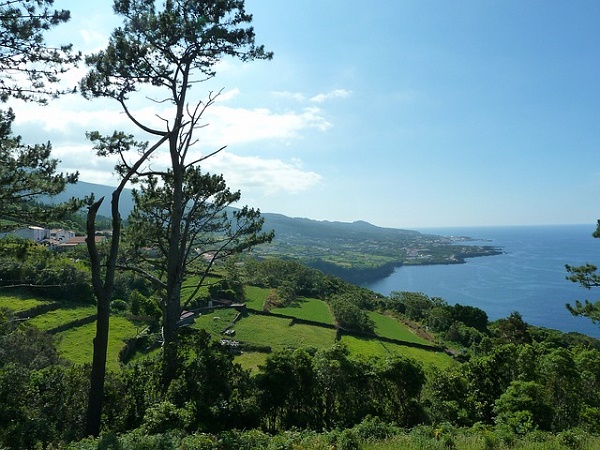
<point>255,297</point>
<point>190,285</point>
<point>58,317</point>
<point>305,308</point>
<point>308,309</point>
<point>76,344</point>
<point>371,346</point>
<point>281,333</point>
<point>251,360</point>
<point>20,302</point>
<point>466,439</point>
<point>389,327</point>
<point>216,321</point>
<point>274,332</point>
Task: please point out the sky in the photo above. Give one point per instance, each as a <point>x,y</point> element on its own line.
<point>406,114</point>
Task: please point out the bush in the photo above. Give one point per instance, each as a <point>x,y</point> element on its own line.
<point>347,440</point>
<point>165,416</point>
<point>573,439</point>
<point>118,306</point>
<point>199,441</point>
<point>246,440</point>
<point>373,428</point>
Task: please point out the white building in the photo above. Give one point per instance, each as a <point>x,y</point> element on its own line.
<point>36,234</point>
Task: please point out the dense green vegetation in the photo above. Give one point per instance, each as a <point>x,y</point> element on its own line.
<point>507,385</point>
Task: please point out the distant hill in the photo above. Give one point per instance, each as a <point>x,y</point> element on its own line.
<point>283,225</point>
<point>83,189</point>
<point>358,252</point>
<point>324,229</point>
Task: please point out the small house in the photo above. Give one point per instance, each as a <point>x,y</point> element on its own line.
<point>186,318</point>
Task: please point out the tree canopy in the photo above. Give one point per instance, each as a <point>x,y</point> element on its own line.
<point>165,51</point>
<point>29,68</point>
<point>587,276</point>
<point>26,173</point>
<point>29,71</point>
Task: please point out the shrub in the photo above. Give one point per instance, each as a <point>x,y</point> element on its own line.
<point>199,441</point>
<point>373,428</point>
<point>118,306</point>
<point>165,416</point>
<point>345,439</point>
<point>573,439</point>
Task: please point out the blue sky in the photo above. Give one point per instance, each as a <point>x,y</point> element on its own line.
<point>406,114</point>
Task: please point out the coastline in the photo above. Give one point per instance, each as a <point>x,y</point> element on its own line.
<point>528,277</point>
<point>367,275</point>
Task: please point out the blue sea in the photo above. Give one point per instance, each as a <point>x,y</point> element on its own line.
<point>529,277</point>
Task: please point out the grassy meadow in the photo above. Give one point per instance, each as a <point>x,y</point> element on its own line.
<point>58,317</point>
<point>254,330</point>
<point>279,333</point>
<point>76,344</point>
<point>308,309</point>
<point>389,327</point>
<point>255,297</point>
<point>367,346</point>
<point>21,302</point>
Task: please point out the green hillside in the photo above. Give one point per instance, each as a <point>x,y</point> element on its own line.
<point>280,339</point>
<point>72,325</point>
<point>308,323</point>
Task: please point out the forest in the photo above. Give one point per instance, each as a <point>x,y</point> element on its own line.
<point>163,330</point>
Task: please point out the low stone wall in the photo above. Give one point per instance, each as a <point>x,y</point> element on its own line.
<point>73,324</point>
<point>38,310</point>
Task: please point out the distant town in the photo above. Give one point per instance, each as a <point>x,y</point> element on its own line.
<point>56,238</point>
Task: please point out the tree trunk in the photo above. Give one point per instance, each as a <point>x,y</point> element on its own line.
<point>98,373</point>
<point>171,314</point>
<point>103,290</point>
<point>175,265</point>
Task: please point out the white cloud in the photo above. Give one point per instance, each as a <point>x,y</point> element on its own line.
<point>68,119</point>
<point>338,93</point>
<point>319,98</point>
<point>228,126</point>
<point>65,122</point>
<point>298,96</point>
<point>228,95</point>
<point>250,174</point>
<point>271,176</point>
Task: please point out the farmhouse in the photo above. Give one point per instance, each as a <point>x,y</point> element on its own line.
<point>56,239</point>
<point>61,235</point>
<point>36,234</point>
<point>186,318</point>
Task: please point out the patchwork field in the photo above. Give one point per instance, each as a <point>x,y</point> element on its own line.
<point>255,297</point>
<point>76,343</point>
<point>372,346</point>
<point>279,333</point>
<point>254,331</point>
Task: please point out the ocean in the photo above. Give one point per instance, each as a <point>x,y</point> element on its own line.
<point>529,277</point>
